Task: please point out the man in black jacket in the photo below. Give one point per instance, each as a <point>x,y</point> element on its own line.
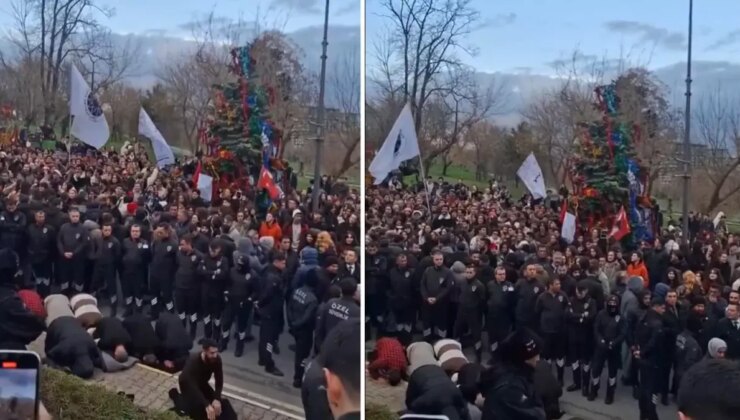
<point>470,312</point>
<point>649,342</point>
<point>164,263</point>
<point>499,310</point>
<point>41,252</point>
<point>174,342</point>
<point>144,342</point>
<point>337,310</point>
<point>68,345</point>
<point>270,307</point>
<point>508,387</point>
<point>113,338</point>
<point>238,304</point>
<point>550,311</point>
<point>187,284</point>
<point>672,319</point>
<point>728,329</point>
<point>302,322</point>
<point>13,228</point>
<point>105,266</point>
<point>135,256</point>
<point>376,272</point>
<point>580,315</point>
<point>609,333</point>
<point>214,273</point>
<point>72,244</point>
<point>437,282</point>
<point>527,290</point>
<point>401,298</point>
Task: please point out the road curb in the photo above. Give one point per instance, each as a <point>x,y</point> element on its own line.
<point>247,397</point>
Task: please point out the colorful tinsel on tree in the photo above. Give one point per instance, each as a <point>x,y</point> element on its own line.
<point>606,174</point>
<point>239,136</point>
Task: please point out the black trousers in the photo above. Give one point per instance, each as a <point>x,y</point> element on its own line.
<point>664,381</point>
<point>648,390</point>
<point>435,319</point>
<point>237,310</point>
<point>612,358</point>
<point>41,274</point>
<point>472,324</point>
<point>497,332</point>
<point>191,406</point>
<point>132,286</point>
<point>71,272</point>
<point>405,317</point>
<point>187,302</point>
<point>303,345</point>
<point>161,295</point>
<point>269,329</point>
<point>211,309</point>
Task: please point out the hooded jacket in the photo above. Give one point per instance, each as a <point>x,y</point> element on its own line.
<point>458,272</point>
<point>629,298</point>
<point>309,261</point>
<point>510,394</point>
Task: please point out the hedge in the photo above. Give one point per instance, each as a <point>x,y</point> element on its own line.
<point>378,412</point>
<point>66,396</point>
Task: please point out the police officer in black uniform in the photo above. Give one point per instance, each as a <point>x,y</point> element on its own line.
<point>302,322</point>
<point>470,312</point>
<point>270,307</point>
<point>41,251</point>
<point>649,341</point>
<point>550,311</point>
<point>499,310</point>
<point>401,298</point>
<point>134,269</point>
<point>13,224</point>
<point>107,258</point>
<point>337,310</point>
<point>72,245</point>
<point>238,303</point>
<point>527,290</point>
<point>164,263</point>
<point>214,273</point>
<point>437,282</point>
<point>187,284</point>
<point>376,275</point>
<point>610,330</point>
<point>581,313</point>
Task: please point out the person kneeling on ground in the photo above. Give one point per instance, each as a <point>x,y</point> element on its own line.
<point>389,362</point>
<point>174,342</point>
<point>508,388</point>
<point>113,338</point>
<point>69,346</point>
<point>19,326</point>
<point>144,342</point>
<point>197,399</point>
<point>430,391</point>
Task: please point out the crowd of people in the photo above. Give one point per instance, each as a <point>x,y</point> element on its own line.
<point>492,273</point>
<point>149,247</point>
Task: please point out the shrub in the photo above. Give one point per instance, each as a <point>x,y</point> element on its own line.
<point>66,396</point>
<point>378,412</point>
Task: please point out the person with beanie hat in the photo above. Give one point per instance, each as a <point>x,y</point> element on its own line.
<point>508,387</point>
<point>609,334</point>
<point>18,325</point>
<point>238,302</point>
<point>580,315</point>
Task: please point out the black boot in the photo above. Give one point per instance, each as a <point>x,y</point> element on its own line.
<point>223,344</point>
<point>635,392</point>
<point>593,391</point>
<point>664,399</point>
<point>193,326</point>
<point>216,329</point>
<point>207,328</point>
<point>560,368</point>
<point>576,379</point>
<point>239,348</point>
<point>113,307</point>
<point>610,391</point>
<point>274,371</point>
<point>586,372</point>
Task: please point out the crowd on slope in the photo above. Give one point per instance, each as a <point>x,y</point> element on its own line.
<point>489,277</point>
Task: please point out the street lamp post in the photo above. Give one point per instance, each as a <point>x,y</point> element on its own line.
<point>687,133</point>
<point>321,117</point>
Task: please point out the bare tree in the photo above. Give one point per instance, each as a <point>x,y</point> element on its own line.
<point>427,37</point>
<point>47,29</point>
<point>346,127</point>
<point>718,125</point>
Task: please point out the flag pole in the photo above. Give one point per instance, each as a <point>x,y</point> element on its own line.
<point>424,183</point>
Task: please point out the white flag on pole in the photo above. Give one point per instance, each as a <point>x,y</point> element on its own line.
<point>400,145</point>
<point>162,150</point>
<point>568,232</point>
<point>531,175</point>
<point>89,124</point>
<point>205,186</point>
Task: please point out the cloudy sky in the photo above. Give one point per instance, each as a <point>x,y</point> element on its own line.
<point>18,383</point>
<point>171,17</point>
<point>531,35</point>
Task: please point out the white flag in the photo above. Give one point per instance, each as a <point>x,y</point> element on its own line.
<point>205,186</point>
<point>89,124</point>
<point>568,232</point>
<point>400,145</point>
<point>162,150</point>
<point>531,174</point>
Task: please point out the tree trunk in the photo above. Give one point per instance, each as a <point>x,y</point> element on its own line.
<point>347,161</point>
<point>446,163</point>
<point>716,199</point>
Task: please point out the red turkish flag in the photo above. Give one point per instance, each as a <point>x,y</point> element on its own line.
<point>621,225</point>
<point>267,182</point>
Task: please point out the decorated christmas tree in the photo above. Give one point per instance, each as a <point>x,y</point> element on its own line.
<point>606,173</point>
<point>241,141</point>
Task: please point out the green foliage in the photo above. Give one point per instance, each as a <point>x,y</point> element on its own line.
<point>378,412</point>
<point>68,397</point>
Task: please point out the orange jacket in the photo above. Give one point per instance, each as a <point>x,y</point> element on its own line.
<point>639,269</point>
<point>273,230</point>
